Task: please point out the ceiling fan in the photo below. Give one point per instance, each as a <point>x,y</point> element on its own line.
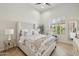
<point>43,4</point>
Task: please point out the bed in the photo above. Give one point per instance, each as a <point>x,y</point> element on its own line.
<point>34,44</point>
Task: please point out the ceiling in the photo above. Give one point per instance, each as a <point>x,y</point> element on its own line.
<point>42,7</point>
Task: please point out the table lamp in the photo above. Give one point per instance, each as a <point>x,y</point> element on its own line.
<point>9,32</point>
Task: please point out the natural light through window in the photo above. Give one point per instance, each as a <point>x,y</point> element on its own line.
<point>57,25</point>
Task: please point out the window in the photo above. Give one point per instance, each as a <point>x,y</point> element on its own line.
<point>57,26</point>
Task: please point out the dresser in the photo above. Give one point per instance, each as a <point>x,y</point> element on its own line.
<point>76,46</point>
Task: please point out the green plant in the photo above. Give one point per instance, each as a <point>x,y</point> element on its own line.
<point>58,28</point>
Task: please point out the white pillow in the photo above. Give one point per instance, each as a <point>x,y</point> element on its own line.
<point>24,32</point>
<point>21,39</point>
<point>32,32</point>
<point>36,32</point>
<point>29,33</point>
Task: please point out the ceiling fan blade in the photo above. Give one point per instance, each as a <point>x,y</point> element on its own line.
<point>37,3</point>
<point>48,4</point>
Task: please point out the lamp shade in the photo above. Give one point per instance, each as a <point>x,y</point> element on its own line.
<point>9,31</point>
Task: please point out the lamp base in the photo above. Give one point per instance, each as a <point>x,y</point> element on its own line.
<point>9,38</point>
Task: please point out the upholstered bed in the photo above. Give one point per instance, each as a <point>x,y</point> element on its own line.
<point>35,44</point>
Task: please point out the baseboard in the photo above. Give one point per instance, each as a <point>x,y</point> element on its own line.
<point>66,42</point>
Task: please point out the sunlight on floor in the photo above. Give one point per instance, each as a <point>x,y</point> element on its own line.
<point>63,50</point>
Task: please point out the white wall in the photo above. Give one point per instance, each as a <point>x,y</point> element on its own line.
<point>65,10</point>
<point>12,13</point>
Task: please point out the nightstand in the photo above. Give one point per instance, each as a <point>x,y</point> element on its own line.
<point>9,44</point>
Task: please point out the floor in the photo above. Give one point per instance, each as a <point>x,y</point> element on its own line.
<point>61,50</point>
<point>13,52</point>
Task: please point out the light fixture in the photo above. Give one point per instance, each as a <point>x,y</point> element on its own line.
<point>9,32</point>
<point>43,5</point>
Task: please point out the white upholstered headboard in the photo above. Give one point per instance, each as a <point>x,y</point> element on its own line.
<point>24,25</point>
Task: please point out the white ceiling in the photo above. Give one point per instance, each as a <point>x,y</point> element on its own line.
<point>39,7</point>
